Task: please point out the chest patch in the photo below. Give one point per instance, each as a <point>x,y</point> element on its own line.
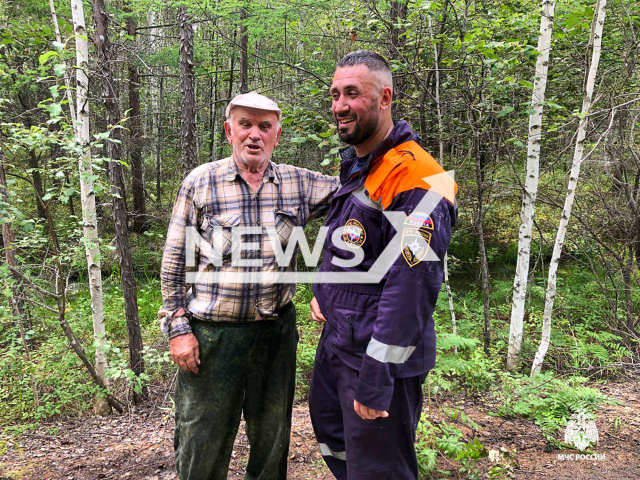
<point>416,237</point>
<point>418,219</point>
<point>354,234</point>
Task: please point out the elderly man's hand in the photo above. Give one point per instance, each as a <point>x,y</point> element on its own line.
<point>316,314</point>
<point>367,413</point>
<point>185,352</point>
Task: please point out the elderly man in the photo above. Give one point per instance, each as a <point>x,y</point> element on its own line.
<point>378,342</point>
<point>234,336</point>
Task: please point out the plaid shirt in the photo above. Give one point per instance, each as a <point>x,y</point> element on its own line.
<point>213,198</point>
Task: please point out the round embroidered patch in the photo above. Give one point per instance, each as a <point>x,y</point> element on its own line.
<point>354,234</point>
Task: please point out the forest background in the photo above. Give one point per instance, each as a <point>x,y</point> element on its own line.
<point>104,107</point>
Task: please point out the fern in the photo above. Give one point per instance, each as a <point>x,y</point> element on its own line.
<point>447,341</point>
<point>546,400</point>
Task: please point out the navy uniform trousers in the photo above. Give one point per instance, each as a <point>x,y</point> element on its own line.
<point>358,449</point>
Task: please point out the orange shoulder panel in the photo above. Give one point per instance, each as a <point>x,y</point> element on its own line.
<point>402,169</point>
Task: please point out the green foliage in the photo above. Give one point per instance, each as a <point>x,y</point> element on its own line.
<point>309,332</point>
<point>447,439</point>
<point>469,369</point>
<point>155,365</point>
<point>545,399</point>
<point>62,384</point>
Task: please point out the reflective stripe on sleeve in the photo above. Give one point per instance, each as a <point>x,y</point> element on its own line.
<point>327,452</point>
<point>388,353</point>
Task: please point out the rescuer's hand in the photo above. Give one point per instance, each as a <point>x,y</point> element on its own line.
<point>185,352</point>
<point>316,314</point>
<point>367,413</point>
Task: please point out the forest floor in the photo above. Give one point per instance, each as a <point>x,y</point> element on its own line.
<point>138,445</point>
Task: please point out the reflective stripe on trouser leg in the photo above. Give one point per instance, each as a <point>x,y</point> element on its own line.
<point>327,452</point>
<point>326,413</point>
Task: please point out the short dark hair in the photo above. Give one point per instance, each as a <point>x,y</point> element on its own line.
<point>373,61</point>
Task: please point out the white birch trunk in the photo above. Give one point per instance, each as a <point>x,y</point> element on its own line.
<point>531,186</point>
<point>89,217</point>
<point>454,327</point>
<point>67,80</point>
<point>154,90</point>
<point>595,43</point>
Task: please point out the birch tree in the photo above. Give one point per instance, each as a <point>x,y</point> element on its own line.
<point>595,46</point>
<point>87,195</point>
<point>531,185</point>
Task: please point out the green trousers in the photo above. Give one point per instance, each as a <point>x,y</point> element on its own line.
<point>245,368</point>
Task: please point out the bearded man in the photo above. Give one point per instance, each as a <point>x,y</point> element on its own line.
<point>234,336</point>
<point>378,341</point>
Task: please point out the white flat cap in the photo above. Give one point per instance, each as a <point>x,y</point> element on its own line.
<point>253,100</point>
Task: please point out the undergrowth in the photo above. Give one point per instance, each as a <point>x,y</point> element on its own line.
<point>581,342</point>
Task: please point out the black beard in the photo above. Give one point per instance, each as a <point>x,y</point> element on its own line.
<point>364,129</point>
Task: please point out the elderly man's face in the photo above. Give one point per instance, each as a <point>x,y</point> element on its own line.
<point>355,103</point>
<point>253,134</point>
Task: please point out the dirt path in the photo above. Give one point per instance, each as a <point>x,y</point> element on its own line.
<point>139,446</point>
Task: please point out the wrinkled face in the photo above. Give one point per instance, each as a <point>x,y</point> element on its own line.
<point>355,103</point>
<point>253,134</point>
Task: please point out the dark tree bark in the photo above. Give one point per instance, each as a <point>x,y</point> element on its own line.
<point>112,111</point>
<point>187,90</point>
<point>479,154</point>
<point>34,159</point>
<point>244,57</point>
<point>232,63</point>
<point>213,110</point>
<point>135,135</point>
<point>34,165</point>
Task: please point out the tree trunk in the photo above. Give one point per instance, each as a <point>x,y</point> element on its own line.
<point>34,165</point>
<point>484,265</point>
<point>187,90</point>
<point>595,44</point>
<point>112,110</point>
<point>67,80</point>
<point>88,201</point>
<point>135,132</point>
<point>244,54</point>
<point>213,113</point>
<point>232,62</point>
<point>531,186</point>
<point>155,91</point>
<point>158,135</point>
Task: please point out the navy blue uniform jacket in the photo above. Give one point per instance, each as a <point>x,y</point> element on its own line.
<point>385,329</point>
